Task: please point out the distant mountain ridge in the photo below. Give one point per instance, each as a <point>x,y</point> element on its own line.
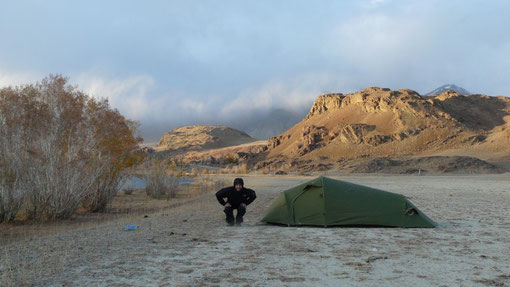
<point>377,126</point>
<point>269,123</point>
<point>450,87</point>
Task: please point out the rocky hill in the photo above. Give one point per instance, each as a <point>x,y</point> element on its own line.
<point>199,138</point>
<point>379,122</point>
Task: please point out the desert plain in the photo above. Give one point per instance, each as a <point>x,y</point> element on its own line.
<point>188,243</point>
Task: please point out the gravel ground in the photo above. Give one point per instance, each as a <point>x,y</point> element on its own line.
<point>190,244</point>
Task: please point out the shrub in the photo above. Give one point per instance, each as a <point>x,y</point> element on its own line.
<point>160,184</point>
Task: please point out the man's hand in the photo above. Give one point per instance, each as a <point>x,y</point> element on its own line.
<point>243,205</point>
<point>228,204</point>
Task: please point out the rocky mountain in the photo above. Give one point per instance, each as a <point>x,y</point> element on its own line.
<point>450,87</point>
<point>199,138</point>
<point>379,122</point>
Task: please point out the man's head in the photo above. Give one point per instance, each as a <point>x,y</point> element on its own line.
<point>238,183</point>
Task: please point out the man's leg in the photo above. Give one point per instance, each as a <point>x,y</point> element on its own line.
<point>229,211</point>
<point>240,213</point>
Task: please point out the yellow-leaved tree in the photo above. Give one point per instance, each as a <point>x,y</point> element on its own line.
<point>59,149</point>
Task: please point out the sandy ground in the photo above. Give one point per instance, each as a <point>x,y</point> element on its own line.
<point>190,245</point>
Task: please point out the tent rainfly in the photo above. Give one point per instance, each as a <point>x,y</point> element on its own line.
<point>329,202</point>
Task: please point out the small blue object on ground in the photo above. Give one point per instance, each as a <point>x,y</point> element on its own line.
<point>131,227</point>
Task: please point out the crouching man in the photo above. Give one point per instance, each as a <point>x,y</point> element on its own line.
<point>238,198</point>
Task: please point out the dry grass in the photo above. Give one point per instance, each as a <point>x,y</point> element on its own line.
<point>19,270</point>
<point>132,202</point>
<point>122,206</point>
<point>22,268</point>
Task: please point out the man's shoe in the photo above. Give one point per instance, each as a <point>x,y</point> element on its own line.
<point>230,223</point>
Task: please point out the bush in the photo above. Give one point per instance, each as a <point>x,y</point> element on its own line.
<point>60,148</point>
<point>160,184</point>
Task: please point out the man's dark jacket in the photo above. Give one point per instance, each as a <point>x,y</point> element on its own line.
<point>234,197</point>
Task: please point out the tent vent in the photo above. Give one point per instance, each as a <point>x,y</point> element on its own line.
<point>411,212</point>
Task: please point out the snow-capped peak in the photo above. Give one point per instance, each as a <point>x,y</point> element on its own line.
<point>447,87</point>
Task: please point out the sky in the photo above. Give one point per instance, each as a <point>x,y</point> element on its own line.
<point>172,63</point>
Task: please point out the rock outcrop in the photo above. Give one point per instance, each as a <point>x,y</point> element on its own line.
<point>199,138</point>
<point>379,122</point>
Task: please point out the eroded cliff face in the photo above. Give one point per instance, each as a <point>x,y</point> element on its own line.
<point>380,122</point>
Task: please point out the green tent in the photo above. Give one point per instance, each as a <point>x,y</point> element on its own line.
<point>329,202</point>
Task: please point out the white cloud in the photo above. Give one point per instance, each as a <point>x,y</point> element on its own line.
<point>130,95</point>
<point>377,39</point>
<point>141,98</point>
<point>374,3</point>
<point>193,106</point>
<point>137,97</point>
<point>291,93</point>
<point>17,78</point>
